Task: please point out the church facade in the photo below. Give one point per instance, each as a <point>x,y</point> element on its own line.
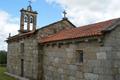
<point>62,51</point>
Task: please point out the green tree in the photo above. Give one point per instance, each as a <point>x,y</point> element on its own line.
<point>3,57</point>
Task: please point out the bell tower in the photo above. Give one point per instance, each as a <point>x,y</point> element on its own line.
<point>28,19</point>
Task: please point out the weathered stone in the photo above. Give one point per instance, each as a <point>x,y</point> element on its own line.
<point>106,77</point>
<point>101,55</point>
<point>91,76</point>
<point>79,75</point>
<point>71,78</point>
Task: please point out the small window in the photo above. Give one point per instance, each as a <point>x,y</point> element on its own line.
<point>22,47</point>
<point>80,56</point>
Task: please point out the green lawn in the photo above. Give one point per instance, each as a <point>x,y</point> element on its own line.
<point>4,76</point>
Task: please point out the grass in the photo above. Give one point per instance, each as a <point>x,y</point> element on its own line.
<point>4,76</point>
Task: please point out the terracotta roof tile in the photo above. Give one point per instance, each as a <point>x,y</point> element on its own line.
<point>84,31</point>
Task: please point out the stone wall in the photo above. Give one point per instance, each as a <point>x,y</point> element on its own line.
<point>60,62</point>
<point>54,28</point>
<point>30,57</point>
<point>112,40</point>
<point>13,58</point>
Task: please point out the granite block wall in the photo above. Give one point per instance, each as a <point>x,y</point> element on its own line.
<point>61,64</point>
<point>112,40</point>
<point>30,57</point>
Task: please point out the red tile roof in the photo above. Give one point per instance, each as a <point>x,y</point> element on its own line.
<point>79,32</point>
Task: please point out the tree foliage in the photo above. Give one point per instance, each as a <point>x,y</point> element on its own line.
<point>3,57</point>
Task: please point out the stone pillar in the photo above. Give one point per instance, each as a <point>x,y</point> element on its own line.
<point>28,24</point>
<point>22,22</point>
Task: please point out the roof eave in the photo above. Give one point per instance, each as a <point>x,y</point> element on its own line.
<point>71,39</point>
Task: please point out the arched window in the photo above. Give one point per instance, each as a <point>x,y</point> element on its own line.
<point>25,22</point>
<point>31,19</point>
<point>31,22</point>
<point>26,18</point>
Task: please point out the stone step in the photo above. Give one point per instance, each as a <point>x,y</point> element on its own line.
<point>15,76</point>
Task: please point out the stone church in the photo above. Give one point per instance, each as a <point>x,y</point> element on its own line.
<point>62,51</point>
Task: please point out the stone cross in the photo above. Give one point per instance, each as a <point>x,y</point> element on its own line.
<point>64,13</point>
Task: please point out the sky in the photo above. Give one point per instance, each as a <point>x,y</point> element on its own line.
<point>79,12</point>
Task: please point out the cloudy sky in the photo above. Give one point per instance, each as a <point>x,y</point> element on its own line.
<point>80,12</point>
